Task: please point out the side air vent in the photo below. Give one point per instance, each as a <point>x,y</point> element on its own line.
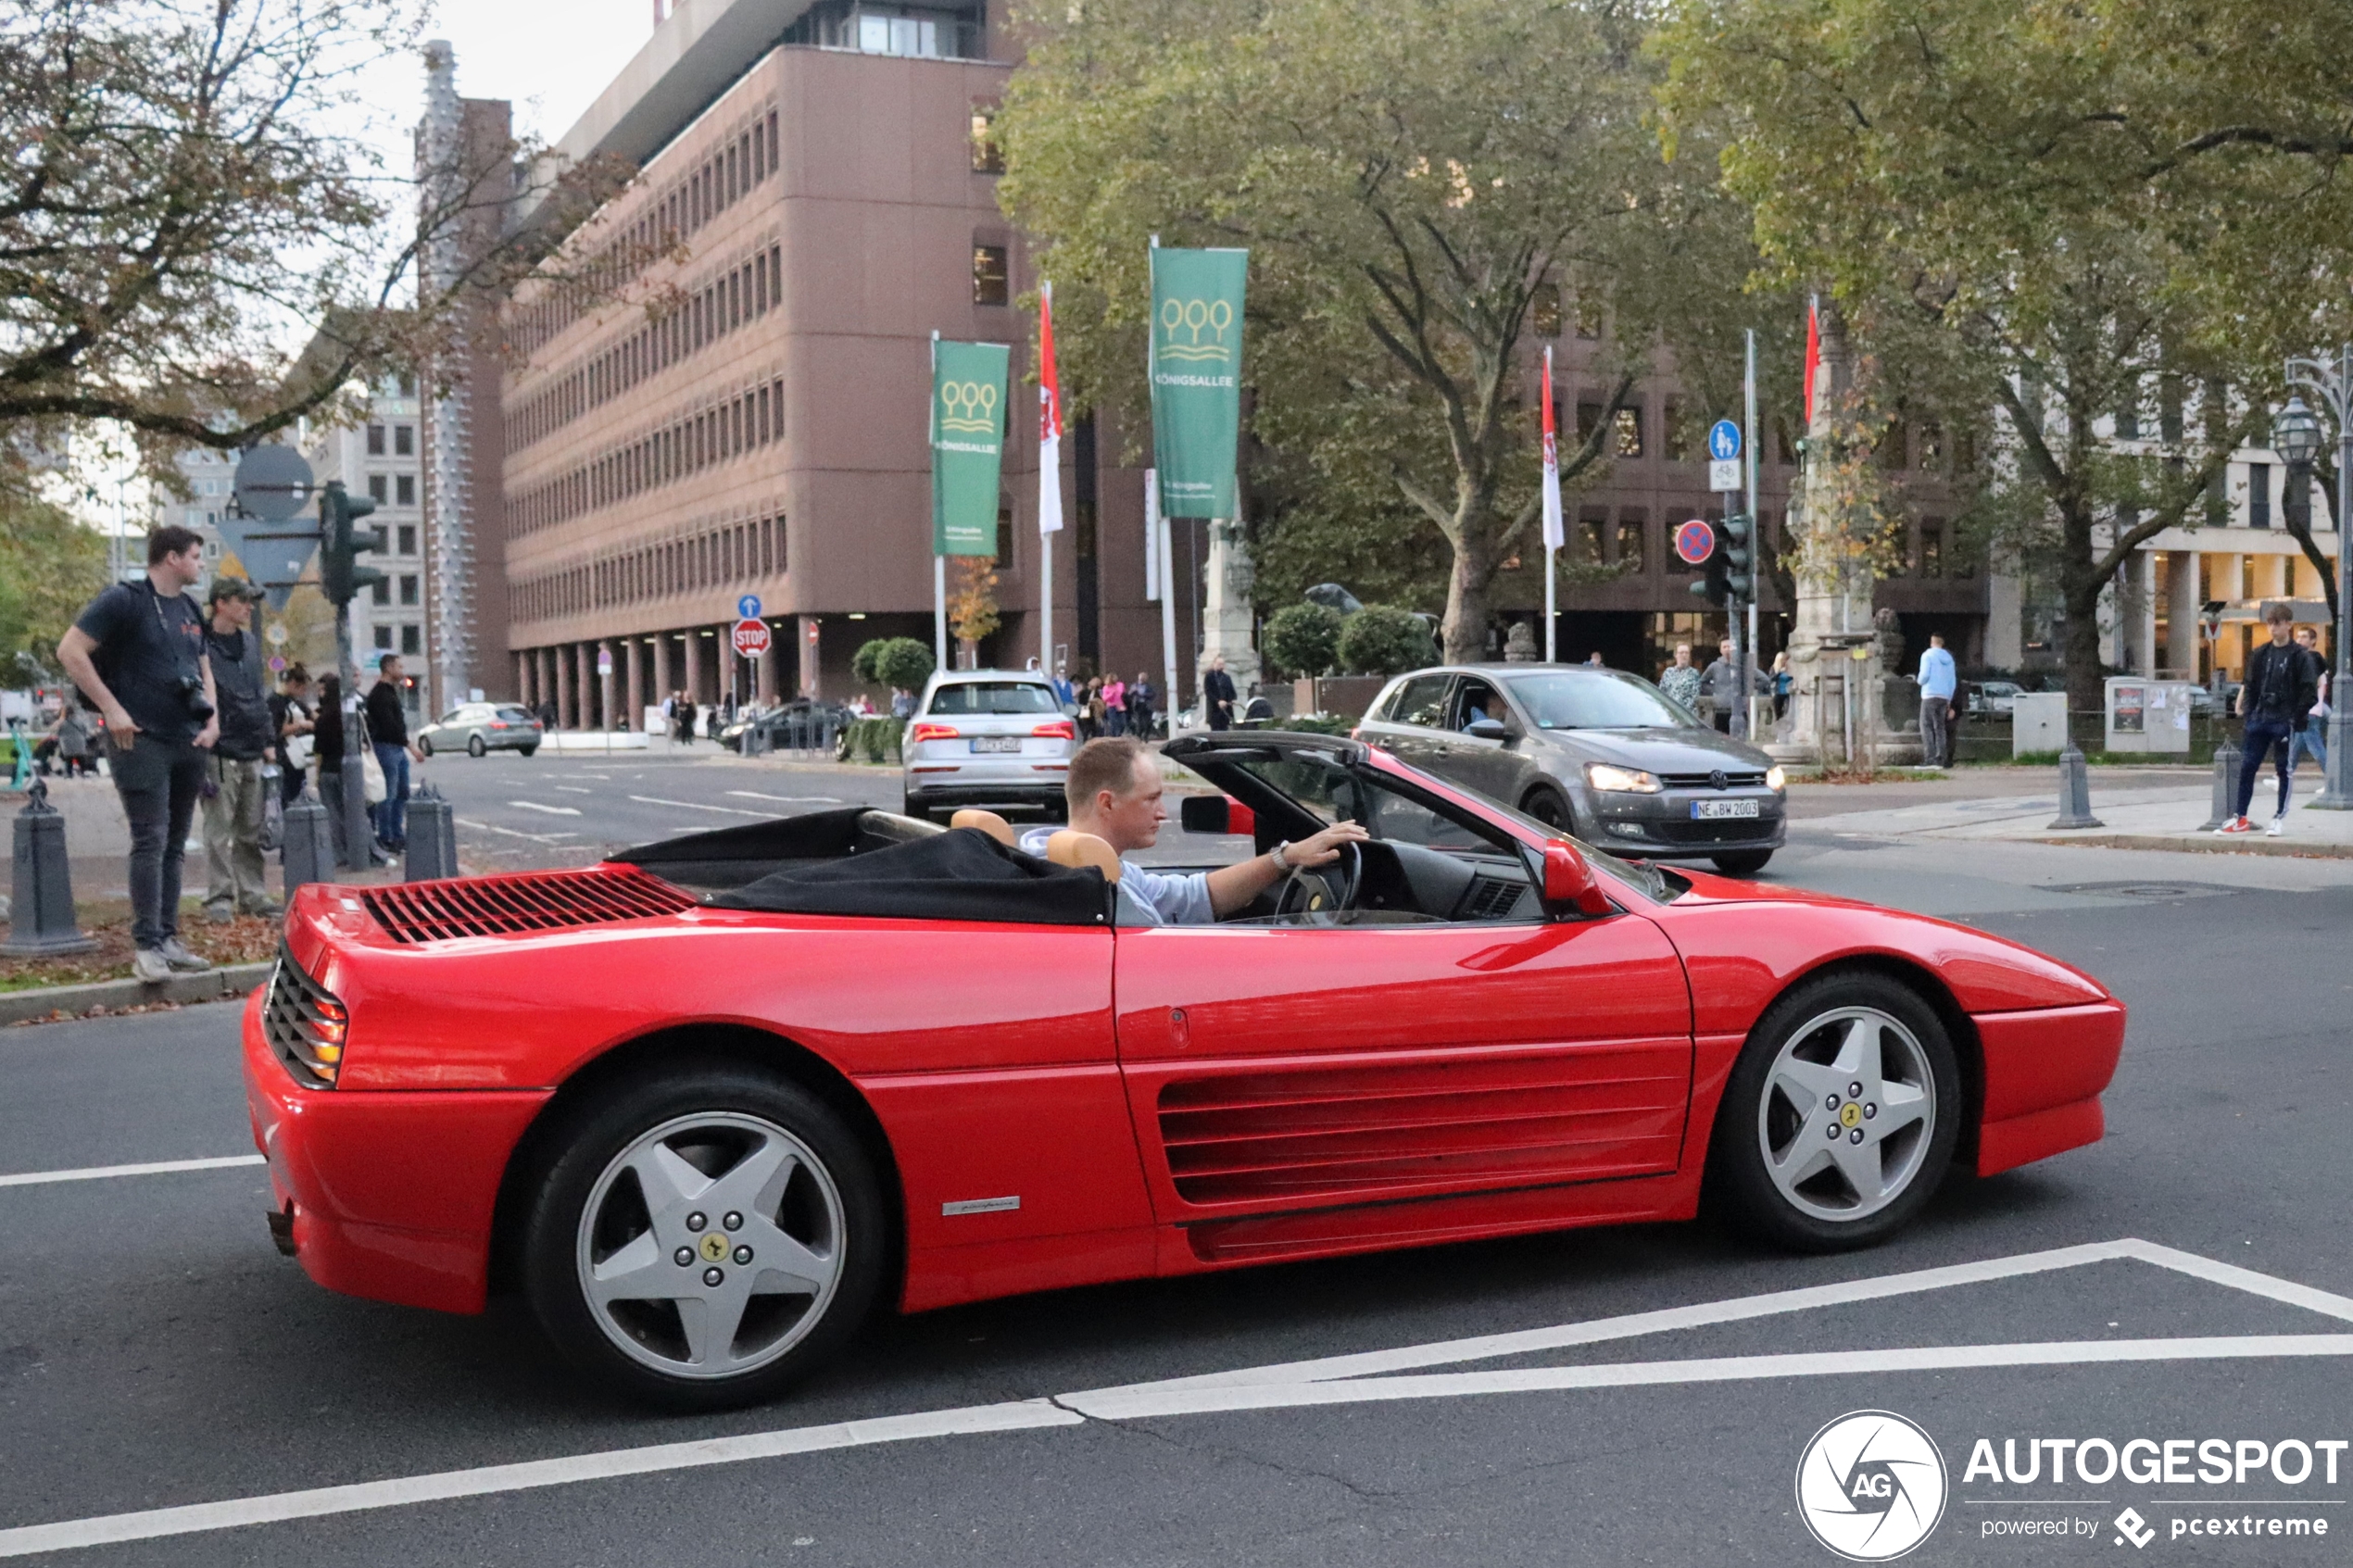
<point>506,906</point>
<point>1492,899</point>
<point>1367,1134</point>
<point>304,1024</point>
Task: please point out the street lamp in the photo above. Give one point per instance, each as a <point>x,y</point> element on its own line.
<point>2332,381</point>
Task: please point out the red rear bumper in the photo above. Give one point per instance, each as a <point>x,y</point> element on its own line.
<point>2045,1072</point>
<point>390,1193</point>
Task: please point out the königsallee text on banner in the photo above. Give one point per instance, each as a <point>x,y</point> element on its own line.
<point>1197,377</point>
<point>967,445</point>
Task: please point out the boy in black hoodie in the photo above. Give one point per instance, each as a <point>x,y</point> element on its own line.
<point>2282,682</point>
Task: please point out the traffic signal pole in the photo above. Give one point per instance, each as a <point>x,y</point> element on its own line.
<point>1748,649</point>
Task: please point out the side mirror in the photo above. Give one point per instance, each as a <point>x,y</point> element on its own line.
<point>1215,813</point>
<point>1488,729</point>
<point>1570,883</point>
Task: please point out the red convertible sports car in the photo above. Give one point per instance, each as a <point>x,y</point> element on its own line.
<point>709,1102</point>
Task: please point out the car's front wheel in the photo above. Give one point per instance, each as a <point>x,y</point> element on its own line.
<point>477,746</point>
<point>1840,1117</point>
<point>1550,807</point>
<point>702,1238</point>
<point>424,745</point>
<point>1746,862</point>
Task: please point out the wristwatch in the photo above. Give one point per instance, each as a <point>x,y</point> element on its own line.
<point>1282,861</point>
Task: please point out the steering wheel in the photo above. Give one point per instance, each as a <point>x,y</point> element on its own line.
<point>1307,893</point>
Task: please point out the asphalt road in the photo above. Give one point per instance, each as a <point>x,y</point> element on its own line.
<point>154,1352</point>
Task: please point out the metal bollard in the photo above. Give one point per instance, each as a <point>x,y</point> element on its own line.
<point>308,852</point>
<point>433,837</point>
<point>2075,791</point>
<point>2226,786</point>
<point>40,917</point>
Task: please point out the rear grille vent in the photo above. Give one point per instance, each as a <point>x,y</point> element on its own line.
<point>1745,778</point>
<point>504,906</point>
<point>1492,899</point>
<point>304,1024</point>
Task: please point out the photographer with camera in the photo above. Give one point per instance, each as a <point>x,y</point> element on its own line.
<point>234,807</point>
<point>138,652</point>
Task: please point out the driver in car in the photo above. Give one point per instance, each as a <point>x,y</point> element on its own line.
<point>1114,792</point>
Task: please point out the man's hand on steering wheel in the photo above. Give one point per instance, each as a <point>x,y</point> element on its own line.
<point>1323,848</point>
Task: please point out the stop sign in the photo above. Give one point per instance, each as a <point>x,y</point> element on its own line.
<point>750,638</point>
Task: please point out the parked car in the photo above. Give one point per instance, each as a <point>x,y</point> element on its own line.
<point>986,737</point>
<point>480,728</point>
<point>915,1067</point>
<point>802,724</point>
<point>1992,696</point>
<point>1601,754</point>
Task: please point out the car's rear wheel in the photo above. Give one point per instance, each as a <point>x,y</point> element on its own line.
<point>1747,862</point>
<point>1840,1117</point>
<point>424,745</point>
<point>703,1238</point>
<point>477,746</point>
<point>529,750</point>
<point>1550,807</point>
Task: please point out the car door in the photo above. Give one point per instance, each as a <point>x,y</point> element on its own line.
<point>1410,726</point>
<point>1494,768</point>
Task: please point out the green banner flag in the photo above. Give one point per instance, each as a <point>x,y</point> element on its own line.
<point>967,445</point>
<point>1197,377</point>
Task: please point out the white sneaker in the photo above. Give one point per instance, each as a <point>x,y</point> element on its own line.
<point>150,965</point>
<point>2279,826</point>
<point>182,961</point>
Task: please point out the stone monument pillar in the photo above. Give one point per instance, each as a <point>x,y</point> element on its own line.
<point>1226,618</point>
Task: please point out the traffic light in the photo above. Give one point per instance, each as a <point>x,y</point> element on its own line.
<point>1739,551</point>
<point>340,574</point>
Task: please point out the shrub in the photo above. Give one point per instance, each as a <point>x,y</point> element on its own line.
<point>1304,639</point>
<point>861,663</point>
<point>1384,640</point>
<point>903,662</point>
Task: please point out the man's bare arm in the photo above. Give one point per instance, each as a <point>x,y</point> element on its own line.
<point>1233,887</point>
<point>74,651</point>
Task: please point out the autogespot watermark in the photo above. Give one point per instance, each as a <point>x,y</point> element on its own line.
<point>1872,1484</point>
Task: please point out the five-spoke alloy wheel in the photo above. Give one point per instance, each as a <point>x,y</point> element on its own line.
<point>703,1237</point>
<point>1840,1115</point>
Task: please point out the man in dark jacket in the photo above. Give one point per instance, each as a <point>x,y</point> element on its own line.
<point>2282,682</point>
<point>233,806</point>
<point>388,734</point>
<point>1219,696</point>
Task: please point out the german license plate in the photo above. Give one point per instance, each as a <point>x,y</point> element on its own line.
<point>985,743</point>
<point>1709,810</point>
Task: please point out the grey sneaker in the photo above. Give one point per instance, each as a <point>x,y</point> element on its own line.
<point>182,961</point>
<point>150,965</point>
<point>220,914</point>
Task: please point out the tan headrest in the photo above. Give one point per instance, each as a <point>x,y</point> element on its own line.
<point>988,823</point>
<point>1071,847</point>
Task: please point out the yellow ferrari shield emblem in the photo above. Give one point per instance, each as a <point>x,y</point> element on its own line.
<point>1849,1115</point>
<point>714,1247</point>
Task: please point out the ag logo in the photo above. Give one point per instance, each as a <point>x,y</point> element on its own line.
<point>1183,321</point>
<point>968,405</point>
<point>1871,1485</point>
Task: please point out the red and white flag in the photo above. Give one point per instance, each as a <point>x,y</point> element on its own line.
<point>1555,537</point>
<point>1050,420</point>
<point>1813,353</point>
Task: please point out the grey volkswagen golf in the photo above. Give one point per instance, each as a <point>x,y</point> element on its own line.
<point>1602,754</point>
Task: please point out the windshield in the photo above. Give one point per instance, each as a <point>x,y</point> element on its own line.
<point>1603,699</point>
<point>994,697</point>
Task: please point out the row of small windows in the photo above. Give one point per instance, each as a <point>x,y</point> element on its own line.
<point>404,440</point>
<point>1681,431</point>
<point>726,556</point>
<point>711,188</point>
<point>403,490</point>
<point>412,640</point>
<point>381,593</point>
<point>742,293</point>
<point>752,419</point>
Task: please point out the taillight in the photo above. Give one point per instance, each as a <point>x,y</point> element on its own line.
<point>1056,729</point>
<point>497,724</point>
<point>922,732</point>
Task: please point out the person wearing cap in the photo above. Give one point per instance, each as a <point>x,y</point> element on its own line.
<point>233,784</point>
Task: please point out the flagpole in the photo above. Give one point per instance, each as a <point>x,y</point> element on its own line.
<point>1157,541</point>
<point>938,562</point>
<point>1553,527</point>
<point>1050,496</point>
<point>1755,546</point>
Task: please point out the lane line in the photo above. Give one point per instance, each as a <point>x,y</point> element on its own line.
<point>572,789</point>
<point>150,1524</point>
<point>151,1168</point>
<point>789,800</point>
<point>2269,1285</point>
<point>512,833</point>
<point>699,806</point>
<point>551,810</point>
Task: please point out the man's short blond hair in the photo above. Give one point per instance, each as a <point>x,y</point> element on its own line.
<point>1108,763</point>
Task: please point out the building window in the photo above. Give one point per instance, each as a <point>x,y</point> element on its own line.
<point>1589,317</point>
<point>375,440</point>
<point>404,490</point>
<point>406,537</point>
<point>1545,310</point>
<point>1674,431</point>
<point>413,639</point>
<point>1932,547</point>
<point>1589,419</point>
<point>2258,494</point>
<point>408,590</point>
<point>991,284</point>
<point>1628,426</point>
<point>376,488</point>
<point>1590,542</point>
<point>408,384</point>
<point>1633,530</point>
<point>379,591</point>
<point>1004,538</point>
<point>383,638</point>
<point>404,440</point>
<point>987,156</point>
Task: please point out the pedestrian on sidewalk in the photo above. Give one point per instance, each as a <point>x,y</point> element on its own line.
<point>1721,685</point>
<point>137,651</point>
<point>2282,682</point>
<point>1140,706</point>
<point>233,799</point>
<point>1680,681</point>
<point>1783,683</point>
<point>1938,680</point>
<point>1219,696</point>
<point>1114,707</point>
<point>2313,736</point>
<point>388,735</point>
<point>290,720</point>
<point>73,738</point>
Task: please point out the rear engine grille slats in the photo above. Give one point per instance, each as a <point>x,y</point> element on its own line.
<point>503,906</point>
<point>298,1008</point>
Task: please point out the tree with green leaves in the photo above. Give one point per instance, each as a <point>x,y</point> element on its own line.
<point>50,567</point>
<point>1384,640</point>
<point>1302,639</point>
<point>1413,184</point>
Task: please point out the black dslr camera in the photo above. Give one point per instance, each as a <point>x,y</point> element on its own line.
<point>191,690</point>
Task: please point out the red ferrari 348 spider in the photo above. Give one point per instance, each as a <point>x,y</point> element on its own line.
<point>708,1102</point>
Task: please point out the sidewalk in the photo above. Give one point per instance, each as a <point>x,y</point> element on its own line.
<point>2166,817</point>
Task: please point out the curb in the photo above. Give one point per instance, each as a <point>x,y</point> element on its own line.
<point>55,1004</point>
<point>2258,846</point>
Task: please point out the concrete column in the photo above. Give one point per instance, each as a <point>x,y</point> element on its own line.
<point>697,693</point>
<point>807,645</point>
<point>549,685</point>
<point>608,685</point>
<point>2185,638</point>
<point>633,649</point>
<point>566,714</point>
<point>522,678</point>
<point>766,663</point>
<point>663,681</point>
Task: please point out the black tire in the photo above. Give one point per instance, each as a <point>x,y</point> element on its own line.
<point>1746,862</point>
<point>477,746</point>
<point>1740,1186</point>
<point>424,743</point>
<point>1550,807</point>
<point>531,750</point>
<point>598,1131</point>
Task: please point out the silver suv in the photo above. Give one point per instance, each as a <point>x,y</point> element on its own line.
<point>986,737</point>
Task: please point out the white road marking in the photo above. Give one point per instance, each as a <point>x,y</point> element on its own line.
<point>551,810</point>
<point>789,800</point>
<point>514,833</point>
<point>1333,1380</point>
<point>573,789</point>
<point>152,1168</point>
<point>699,806</point>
